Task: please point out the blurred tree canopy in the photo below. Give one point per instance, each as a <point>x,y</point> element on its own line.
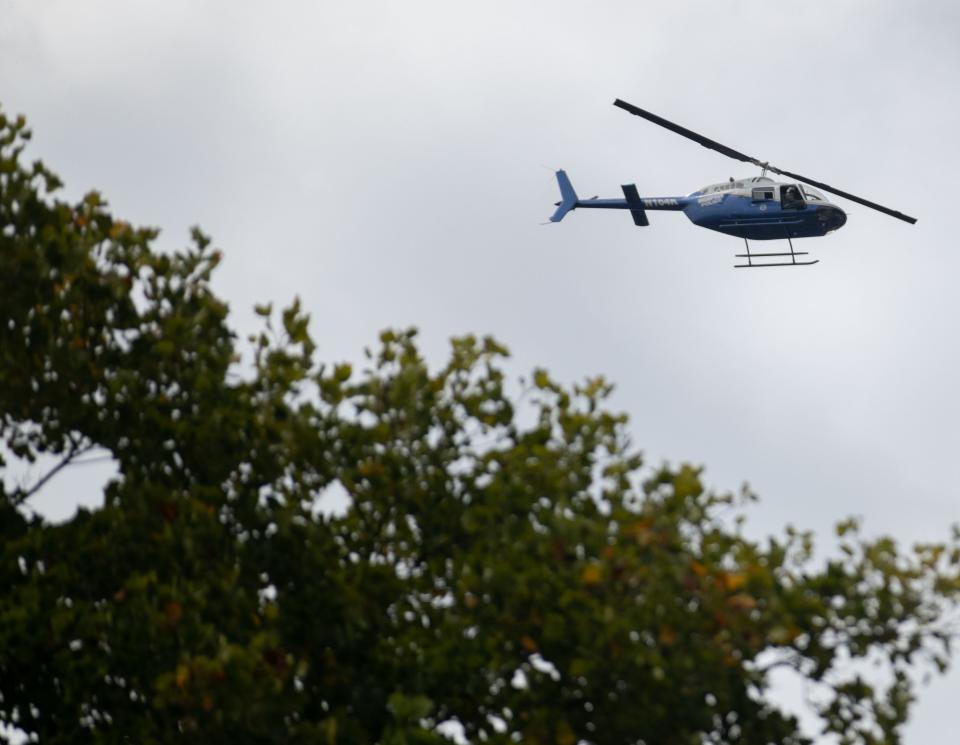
<point>503,562</point>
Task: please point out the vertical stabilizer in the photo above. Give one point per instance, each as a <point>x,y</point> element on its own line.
<point>568,197</point>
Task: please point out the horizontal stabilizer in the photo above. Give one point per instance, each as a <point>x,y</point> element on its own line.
<point>635,205</point>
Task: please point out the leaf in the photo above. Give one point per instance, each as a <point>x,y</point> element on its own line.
<point>541,379</point>
<point>165,348</point>
<point>182,676</point>
<point>667,635</point>
<point>409,708</point>
<point>592,574</point>
<point>173,611</point>
<point>731,581</point>
<point>565,734</point>
<point>851,524</point>
<point>742,601</point>
<point>783,634</point>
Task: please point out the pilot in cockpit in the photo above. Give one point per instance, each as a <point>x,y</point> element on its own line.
<point>790,197</point>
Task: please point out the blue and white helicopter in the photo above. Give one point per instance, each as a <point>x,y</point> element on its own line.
<point>757,207</point>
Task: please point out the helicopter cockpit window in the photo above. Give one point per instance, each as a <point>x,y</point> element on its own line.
<point>812,194</point>
<point>763,194</point>
<point>791,197</point>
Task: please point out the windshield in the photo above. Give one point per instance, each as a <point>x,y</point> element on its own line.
<point>812,194</point>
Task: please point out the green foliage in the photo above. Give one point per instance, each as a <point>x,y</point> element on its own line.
<point>506,565</point>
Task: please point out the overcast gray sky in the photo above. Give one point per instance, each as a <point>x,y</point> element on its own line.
<point>390,163</point>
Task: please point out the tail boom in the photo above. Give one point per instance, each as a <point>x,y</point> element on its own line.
<point>632,201</point>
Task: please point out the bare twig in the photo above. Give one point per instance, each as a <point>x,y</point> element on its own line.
<point>97,459</point>
<point>76,450</point>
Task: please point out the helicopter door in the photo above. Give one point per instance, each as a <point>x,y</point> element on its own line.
<point>791,198</point>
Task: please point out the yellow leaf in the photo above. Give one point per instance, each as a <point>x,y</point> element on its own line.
<point>667,635</point>
<point>592,575</point>
<point>183,675</point>
<point>742,601</point>
<point>731,581</point>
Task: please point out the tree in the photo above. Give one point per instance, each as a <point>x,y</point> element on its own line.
<point>505,561</point>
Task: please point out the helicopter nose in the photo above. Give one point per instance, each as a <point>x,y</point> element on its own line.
<point>832,217</point>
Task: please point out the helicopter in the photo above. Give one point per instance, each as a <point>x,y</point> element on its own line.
<point>754,208</point>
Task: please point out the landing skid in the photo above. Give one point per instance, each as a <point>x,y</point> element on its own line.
<point>792,254</point>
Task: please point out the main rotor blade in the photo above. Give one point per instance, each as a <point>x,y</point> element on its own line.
<point>737,155</point>
<point>688,133</point>
<point>846,195</point>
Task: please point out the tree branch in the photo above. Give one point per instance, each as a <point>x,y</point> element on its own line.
<point>20,496</point>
